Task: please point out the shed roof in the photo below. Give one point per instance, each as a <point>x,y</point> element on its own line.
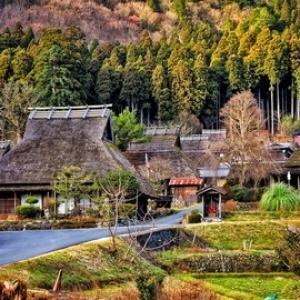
<point>185,181</point>
<point>214,189</point>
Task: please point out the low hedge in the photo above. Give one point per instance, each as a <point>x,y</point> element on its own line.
<point>47,224</point>
<point>73,224</point>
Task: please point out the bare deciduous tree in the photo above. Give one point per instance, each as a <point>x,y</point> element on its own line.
<point>114,191</point>
<point>245,146</point>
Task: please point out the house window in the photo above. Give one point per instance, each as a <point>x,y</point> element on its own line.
<point>7,206</point>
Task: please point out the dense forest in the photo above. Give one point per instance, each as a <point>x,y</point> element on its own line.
<point>195,64</point>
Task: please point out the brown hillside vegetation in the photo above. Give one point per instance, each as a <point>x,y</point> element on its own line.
<point>123,21</point>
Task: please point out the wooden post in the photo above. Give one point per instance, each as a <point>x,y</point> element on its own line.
<point>15,201</point>
<point>220,206</point>
<point>298,182</point>
<point>202,199</point>
<point>57,284</point>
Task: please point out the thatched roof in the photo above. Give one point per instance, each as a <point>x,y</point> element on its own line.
<point>49,144</point>
<point>294,160</point>
<point>161,139</point>
<point>164,150</point>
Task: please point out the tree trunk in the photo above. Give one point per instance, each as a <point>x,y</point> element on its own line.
<point>19,137</point>
<point>272,109</point>
<point>278,104</point>
<point>297,104</point>
<point>148,117</point>
<point>142,116</point>
<point>259,105</point>
<point>292,99</point>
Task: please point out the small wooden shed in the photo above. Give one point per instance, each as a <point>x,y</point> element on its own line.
<point>184,189</point>
<point>211,199</point>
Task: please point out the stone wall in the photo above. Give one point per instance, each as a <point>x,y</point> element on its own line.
<point>230,261</point>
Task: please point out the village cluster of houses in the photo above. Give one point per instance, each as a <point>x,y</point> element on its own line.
<point>179,166</point>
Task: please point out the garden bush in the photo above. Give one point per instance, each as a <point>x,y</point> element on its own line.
<point>28,211</point>
<point>245,194</point>
<point>75,223</point>
<point>280,198</point>
<point>194,217</point>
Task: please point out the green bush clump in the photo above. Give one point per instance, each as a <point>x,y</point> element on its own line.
<point>280,198</point>
<point>28,211</point>
<point>244,194</point>
<point>72,224</point>
<point>194,217</point>
<point>147,284</point>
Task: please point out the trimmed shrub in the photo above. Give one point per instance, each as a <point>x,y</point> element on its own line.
<point>194,217</point>
<point>31,200</point>
<point>28,211</point>
<point>280,198</point>
<point>73,223</point>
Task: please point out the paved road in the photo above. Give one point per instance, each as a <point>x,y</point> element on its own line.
<point>20,245</point>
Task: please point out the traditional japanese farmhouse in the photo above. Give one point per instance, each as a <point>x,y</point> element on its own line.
<point>203,149</point>
<point>164,159</point>
<point>58,137</point>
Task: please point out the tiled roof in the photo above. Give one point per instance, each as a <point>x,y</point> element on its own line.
<point>185,181</point>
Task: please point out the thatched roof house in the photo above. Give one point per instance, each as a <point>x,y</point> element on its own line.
<point>162,154</point>
<point>58,137</point>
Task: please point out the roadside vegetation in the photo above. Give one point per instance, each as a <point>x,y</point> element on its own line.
<point>85,267</point>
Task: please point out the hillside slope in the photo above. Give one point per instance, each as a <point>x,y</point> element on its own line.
<point>120,20</point>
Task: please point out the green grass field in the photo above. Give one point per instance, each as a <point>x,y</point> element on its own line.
<point>264,235</point>
<point>254,286</point>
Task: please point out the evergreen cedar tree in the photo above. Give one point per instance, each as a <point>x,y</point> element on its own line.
<point>196,69</point>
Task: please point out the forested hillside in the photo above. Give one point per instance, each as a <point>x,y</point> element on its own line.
<point>158,57</point>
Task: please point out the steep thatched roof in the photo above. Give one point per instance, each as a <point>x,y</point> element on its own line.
<point>163,150</point>
<point>294,160</point>
<point>49,144</point>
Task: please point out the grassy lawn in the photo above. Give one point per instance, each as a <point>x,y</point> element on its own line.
<point>265,235</point>
<point>84,267</point>
<point>259,216</point>
<point>253,286</point>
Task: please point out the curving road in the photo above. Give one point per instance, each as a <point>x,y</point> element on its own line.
<point>20,245</point>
